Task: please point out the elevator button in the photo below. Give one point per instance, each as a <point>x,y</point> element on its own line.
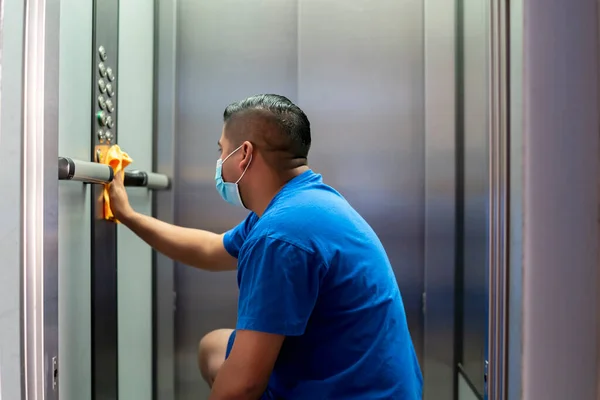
<point>102,69</point>
<point>102,85</point>
<point>102,119</point>
<point>109,122</point>
<point>110,106</point>
<point>110,89</point>
<point>102,53</point>
<point>109,136</point>
<point>102,102</point>
<point>111,75</point>
<point>101,136</point>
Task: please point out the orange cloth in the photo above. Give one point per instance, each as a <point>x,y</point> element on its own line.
<point>118,160</point>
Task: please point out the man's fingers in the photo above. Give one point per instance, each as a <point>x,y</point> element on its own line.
<point>119,176</point>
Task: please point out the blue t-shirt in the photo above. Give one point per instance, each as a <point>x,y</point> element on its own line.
<point>312,269</point>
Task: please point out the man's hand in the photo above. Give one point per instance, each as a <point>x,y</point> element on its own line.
<point>119,202</point>
<point>245,374</point>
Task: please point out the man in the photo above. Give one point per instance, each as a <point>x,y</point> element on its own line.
<point>320,314</point>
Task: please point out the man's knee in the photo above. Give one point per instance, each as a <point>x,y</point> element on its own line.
<point>211,353</point>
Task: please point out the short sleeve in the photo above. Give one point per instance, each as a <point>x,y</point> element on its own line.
<point>234,239</point>
<point>279,285</point>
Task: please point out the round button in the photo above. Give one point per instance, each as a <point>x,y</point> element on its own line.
<point>102,53</point>
<point>102,85</point>
<point>110,106</point>
<point>110,89</point>
<point>109,122</point>
<point>102,119</point>
<point>109,136</point>
<point>101,102</point>
<point>102,69</point>
<point>101,135</point>
<point>111,75</point>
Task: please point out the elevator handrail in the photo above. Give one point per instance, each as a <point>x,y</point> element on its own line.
<point>149,180</point>
<point>91,172</point>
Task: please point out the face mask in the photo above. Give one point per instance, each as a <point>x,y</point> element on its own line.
<point>229,191</point>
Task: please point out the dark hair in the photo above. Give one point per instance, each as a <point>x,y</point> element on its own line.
<point>291,122</point>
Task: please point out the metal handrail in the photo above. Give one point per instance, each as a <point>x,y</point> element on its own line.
<point>92,172</point>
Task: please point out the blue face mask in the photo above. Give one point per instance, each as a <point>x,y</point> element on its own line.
<point>229,191</point>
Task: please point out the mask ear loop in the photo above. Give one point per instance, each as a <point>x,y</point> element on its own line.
<point>246,169</point>
<point>232,153</point>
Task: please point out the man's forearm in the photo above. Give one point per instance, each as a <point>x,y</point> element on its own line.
<point>231,384</point>
<point>193,247</point>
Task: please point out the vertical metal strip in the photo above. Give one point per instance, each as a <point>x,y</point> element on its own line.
<point>164,148</point>
<point>155,340</point>
<point>40,200</point>
<point>440,54</point>
<point>33,144</point>
<point>492,198</point>
<point>498,153</point>
<point>105,360</point>
<point>459,295</point>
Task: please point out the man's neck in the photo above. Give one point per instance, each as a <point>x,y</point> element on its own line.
<point>278,184</point>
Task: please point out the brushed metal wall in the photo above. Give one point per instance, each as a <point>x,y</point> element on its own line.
<point>74,205</point>
<point>475,39</point>
<point>227,50</point>
<point>361,83</point>
<point>12,15</point>
<point>357,69</point>
<point>440,199</point>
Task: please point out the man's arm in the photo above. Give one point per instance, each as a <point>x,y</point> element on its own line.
<point>245,374</point>
<point>194,247</point>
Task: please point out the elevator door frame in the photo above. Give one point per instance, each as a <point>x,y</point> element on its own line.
<point>39,212</point>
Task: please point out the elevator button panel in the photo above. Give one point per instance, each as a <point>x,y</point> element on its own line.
<point>105,93</point>
<point>103,278</point>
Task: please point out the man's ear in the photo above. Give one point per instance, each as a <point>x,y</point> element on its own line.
<point>247,151</point>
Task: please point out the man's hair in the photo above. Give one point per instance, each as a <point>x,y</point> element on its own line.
<point>274,123</point>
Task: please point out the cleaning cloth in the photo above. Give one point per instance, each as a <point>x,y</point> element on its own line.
<point>118,160</point>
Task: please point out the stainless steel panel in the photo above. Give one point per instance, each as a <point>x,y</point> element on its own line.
<point>475,37</point>
<point>165,30</point>
<point>135,87</point>
<point>440,199</point>
<point>11,210</point>
<point>226,50</point>
<point>40,200</point>
<point>74,208</point>
<point>560,199</point>
<point>465,391</point>
<point>360,81</point>
<point>104,233</point>
<point>498,188</point>
<point>515,224</point>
